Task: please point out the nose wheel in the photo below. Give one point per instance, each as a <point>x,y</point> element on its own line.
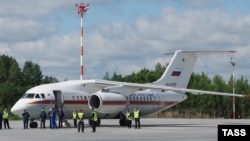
<point>33,123</point>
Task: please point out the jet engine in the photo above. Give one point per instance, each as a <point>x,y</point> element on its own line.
<point>106,102</point>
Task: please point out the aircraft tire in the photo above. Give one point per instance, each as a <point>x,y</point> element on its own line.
<point>33,124</point>
<point>123,122</point>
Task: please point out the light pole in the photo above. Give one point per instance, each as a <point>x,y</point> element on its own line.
<point>233,62</point>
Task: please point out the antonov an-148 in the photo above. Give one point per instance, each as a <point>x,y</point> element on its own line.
<point>112,99</point>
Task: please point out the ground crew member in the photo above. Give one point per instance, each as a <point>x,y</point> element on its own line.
<point>137,118</point>
<point>129,119</point>
<point>74,116</point>
<point>80,117</point>
<point>93,120</point>
<point>5,119</point>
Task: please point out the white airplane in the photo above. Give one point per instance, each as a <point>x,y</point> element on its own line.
<point>112,99</point>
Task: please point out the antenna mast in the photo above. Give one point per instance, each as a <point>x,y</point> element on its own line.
<point>81,10</point>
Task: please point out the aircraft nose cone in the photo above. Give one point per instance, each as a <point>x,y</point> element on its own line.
<point>18,108</point>
<point>14,109</point>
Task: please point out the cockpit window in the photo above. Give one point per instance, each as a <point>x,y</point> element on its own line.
<point>29,95</point>
<point>43,96</point>
<point>37,96</point>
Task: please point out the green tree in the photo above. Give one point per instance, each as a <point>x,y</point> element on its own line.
<point>32,74</point>
<point>106,76</point>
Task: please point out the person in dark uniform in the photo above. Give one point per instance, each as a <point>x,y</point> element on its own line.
<point>50,118</point>
<point>43,117</point>
<point>93,120</point>
<point>26,117</point>
<point>60,114</point>
<point>1,119</point>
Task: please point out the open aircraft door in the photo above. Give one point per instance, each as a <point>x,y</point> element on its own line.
<point>58,99</point>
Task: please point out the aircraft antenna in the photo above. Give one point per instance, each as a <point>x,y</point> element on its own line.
<point>81,10</point>
<point>233,62</point>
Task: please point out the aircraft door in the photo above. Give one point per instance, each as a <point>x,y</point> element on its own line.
<point>58,99</point>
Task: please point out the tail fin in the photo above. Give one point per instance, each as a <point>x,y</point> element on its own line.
<point>180,68</point>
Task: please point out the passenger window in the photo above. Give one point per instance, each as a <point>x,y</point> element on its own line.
<point>85,97</point>
<point>73,97</point>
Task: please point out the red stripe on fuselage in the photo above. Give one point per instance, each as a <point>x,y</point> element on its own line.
<point>107,103</point>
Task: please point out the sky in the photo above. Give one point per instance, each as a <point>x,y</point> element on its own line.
<point>125,36</point>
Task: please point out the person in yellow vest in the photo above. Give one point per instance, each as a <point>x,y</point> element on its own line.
<point>128,118</point>
<point>5,119</point>
<point>93,120</point>
<point>137,118</point>
<point>74,117</point>
<point>80,117</point>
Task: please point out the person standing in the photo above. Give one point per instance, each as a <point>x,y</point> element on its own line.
<point>50,117</point>
<point>1,119</point>
<point>93,120</point>
<point>128,118</point>
<point>80,117</point>
<point>43,117</point>
<point>60,114</point>
<point>5,119</point>
<point>26,117</point>
<point>53,119</point>
<point>74,117</point>
<point>137,118</point>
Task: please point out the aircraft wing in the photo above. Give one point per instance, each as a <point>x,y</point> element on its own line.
<point>128,88</point>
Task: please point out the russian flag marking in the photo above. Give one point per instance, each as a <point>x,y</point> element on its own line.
<point>176,73</point>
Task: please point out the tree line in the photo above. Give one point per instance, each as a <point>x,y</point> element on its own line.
<point>14,81</point>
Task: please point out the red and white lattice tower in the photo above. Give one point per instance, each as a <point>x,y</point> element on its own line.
<point>81,9</point>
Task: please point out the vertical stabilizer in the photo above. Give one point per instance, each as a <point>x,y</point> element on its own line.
<point>180,68</point>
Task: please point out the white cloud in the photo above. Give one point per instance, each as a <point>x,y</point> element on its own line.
<point>120,46</point>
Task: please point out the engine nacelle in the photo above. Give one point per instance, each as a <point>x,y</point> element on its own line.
<point>106,102</point>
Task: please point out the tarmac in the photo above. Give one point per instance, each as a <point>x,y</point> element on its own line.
<point>152,129</point>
